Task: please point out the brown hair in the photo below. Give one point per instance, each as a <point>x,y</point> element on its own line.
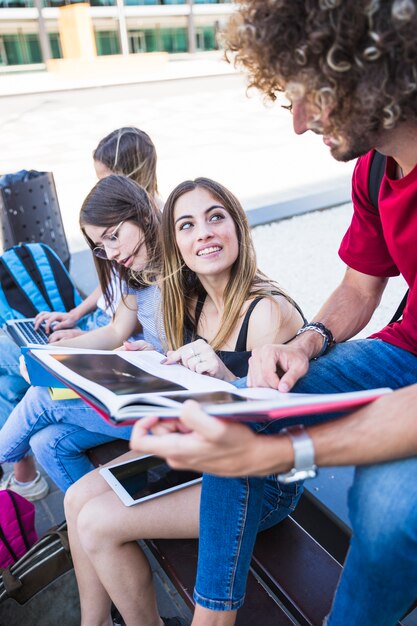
<point>180,285</point>
<point>112,200</point>
<point>130,151</point>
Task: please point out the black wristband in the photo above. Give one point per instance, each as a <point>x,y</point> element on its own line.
<point>322,330</point>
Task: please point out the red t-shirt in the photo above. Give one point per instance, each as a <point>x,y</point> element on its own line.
<point>384,242</point>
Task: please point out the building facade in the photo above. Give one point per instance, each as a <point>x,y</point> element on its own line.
<point>151,26</point>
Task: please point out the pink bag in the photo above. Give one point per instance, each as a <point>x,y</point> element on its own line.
<point>17,527</point>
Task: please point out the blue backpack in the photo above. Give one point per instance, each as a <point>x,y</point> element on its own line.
<point>32,279</point>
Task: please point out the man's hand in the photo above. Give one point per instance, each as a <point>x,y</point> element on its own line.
<point>208,444</point>
<point>277,366</point>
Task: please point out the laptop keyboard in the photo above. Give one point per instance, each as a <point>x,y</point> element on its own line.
<point>27,328</point>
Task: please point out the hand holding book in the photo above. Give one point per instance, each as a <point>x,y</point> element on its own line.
<point>126,386</point>
<point>198,441</point>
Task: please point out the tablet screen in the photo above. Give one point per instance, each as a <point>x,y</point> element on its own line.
<point>149,476</point>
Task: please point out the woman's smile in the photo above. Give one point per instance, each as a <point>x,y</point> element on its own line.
<point>205,233</point>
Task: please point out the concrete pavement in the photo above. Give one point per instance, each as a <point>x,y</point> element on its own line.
<point>161,67</point>
<point>204,126</point>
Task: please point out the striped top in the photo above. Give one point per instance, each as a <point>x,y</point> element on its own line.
<point>148,302</point>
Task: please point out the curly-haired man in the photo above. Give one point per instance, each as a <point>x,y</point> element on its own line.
<point>349,71</point>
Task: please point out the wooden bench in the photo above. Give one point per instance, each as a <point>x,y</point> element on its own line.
<point>295,566</point>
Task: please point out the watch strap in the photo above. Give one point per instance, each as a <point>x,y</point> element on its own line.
<point>304,458</point>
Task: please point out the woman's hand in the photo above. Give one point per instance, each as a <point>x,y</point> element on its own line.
<point>55,320</point>
<point>200,357</point>
<point>137,345</point>
<point>58,335</point>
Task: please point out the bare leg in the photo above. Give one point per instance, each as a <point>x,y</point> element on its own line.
<point>108,532</point>
<point>95,601</point>
<point>109,562</point>
<point>206,617</point>
<point>25,470</point>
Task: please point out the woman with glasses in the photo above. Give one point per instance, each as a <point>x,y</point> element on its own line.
<point>127,151</point>
<point>122,226</point>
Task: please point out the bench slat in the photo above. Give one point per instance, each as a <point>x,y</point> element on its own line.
<point>300,572</point>
<point>178,558</point>
<point>106,452</point>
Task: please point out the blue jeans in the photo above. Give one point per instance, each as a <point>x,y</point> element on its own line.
<point>59,432</point>
<point>93,320</point>
<point>12,386</point>
<point>350,366</point>
<point>379,580</point>
<point>225,545</point>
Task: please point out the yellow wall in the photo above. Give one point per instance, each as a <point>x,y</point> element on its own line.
<point>76,31</point>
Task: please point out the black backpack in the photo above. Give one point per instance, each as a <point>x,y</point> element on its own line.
<point>376,174</point>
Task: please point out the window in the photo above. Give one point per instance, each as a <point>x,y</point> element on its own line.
<point>137,41</point>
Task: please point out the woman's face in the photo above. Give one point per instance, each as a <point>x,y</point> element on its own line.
<point>205,233</point>
<point>123,243</point>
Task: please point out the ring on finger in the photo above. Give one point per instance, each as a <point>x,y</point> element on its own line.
<point>193,354</point>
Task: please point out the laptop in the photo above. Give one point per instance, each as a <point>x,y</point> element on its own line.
<point>23,332</point>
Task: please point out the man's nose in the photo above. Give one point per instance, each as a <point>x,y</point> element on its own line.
<point>299,118</point>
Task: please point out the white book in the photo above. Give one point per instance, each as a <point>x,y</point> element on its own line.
<point>125,386</point>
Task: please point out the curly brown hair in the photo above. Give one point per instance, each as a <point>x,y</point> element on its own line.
<point>359,56</point>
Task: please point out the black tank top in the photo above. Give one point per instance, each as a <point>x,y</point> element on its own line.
<point>237,360</point>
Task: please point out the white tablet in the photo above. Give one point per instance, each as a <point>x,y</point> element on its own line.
<point>146,477</point>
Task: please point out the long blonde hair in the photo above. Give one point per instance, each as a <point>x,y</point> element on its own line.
<point>180,285</point>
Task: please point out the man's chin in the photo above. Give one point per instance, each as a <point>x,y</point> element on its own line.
<point>352,148</point>
<point>348,153</point>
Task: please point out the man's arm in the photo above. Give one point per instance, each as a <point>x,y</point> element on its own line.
<point>345,313</point>
<point>381,431</point>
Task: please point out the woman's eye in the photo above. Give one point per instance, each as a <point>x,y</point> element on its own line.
<point>185,225</point>
<point>216,217</point>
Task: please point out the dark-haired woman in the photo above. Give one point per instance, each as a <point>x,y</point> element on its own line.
<point>122,226</point>
<point>126,151</point>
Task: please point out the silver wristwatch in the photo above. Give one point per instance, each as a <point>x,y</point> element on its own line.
<point>304,465</point>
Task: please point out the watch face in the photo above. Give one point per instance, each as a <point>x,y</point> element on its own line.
<point>295,475</point>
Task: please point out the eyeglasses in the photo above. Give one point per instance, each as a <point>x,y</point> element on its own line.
<point>110,241</point>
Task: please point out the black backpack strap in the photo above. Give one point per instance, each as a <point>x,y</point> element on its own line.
<point>398,313</point>
<point>29,262</point>
<point>15,294</point>
<point>62,279</point>
<point>376,174</point>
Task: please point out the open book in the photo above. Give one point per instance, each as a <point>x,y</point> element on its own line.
<point>125,386</point>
